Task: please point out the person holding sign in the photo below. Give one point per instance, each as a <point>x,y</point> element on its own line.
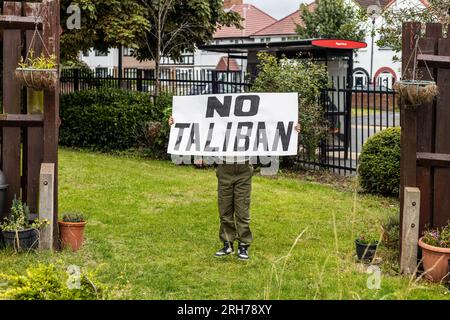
<point>268,131</point>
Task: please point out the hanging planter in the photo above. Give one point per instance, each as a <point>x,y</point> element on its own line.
<point>37,79</point>
<point>413,93</point>
<point>38,73</point>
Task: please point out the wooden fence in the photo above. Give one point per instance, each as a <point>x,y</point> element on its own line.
<point>28,138</point>
<point>425,161</point>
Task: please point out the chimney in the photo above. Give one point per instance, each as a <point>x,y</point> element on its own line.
<point>227,4</point>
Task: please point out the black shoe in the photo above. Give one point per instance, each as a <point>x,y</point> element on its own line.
<point>243,253</point>
<point>226,250</point>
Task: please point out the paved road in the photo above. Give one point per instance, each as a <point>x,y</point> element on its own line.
<point>362,128</point>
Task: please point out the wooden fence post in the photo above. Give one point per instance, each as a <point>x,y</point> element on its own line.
<point>410,227</point>
<point>46,204</point>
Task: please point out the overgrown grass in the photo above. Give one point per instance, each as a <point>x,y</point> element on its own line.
<point>153,229</point>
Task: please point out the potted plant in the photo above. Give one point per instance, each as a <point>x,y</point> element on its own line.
<point>366,247</point>
<point>71,230</point>
<point>18,231</point>
<point>435,246</point>
<point>38,73</point>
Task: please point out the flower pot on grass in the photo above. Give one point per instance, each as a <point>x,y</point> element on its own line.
<point>27,239</point>
<point>365,249</point>
<point>71,231</point>
<point>435,246</point>
<point>18,231</point>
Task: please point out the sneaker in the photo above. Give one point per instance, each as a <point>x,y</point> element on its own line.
<point>226,250</point>
<point>243,253</point>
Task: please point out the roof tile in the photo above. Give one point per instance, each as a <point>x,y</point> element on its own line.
<point>254,20</point>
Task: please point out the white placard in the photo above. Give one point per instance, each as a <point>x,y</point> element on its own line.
<point>235,125</point>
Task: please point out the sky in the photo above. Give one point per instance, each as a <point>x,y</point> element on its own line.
<point>277,8</point>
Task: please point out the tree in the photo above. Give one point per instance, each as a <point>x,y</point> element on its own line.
<point>308,79</point>
<point>391,30</point>
<point>177,26</point>
<point>104,24</point>
<point>332,19</point>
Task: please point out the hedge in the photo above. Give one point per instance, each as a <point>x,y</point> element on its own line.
<point>379,163</point>
<point>108,119</point>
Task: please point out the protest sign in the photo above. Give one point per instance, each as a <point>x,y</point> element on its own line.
<point>235,125</point>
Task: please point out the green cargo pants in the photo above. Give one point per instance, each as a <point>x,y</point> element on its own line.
<point>234,192</point>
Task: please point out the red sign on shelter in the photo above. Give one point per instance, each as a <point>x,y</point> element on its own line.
<point>339,44</point>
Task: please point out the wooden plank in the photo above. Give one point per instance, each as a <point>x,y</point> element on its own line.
<point>408,120</point>
<point>410,227</point>
<point>12,8</point>
<point>46,204</point>
<point>433,159</point>
<point>426,121</point>
<point>433,61</point>
<point>441,214</point>
<point>51,35</point>
<point>35,148</point>
<point>11,152</point>
<point>409,32</point>
<point>21,120</point>
<point>11,22</point>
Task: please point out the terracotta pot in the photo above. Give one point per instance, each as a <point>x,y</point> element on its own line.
<point>71,234</point>
<point>435,262</point>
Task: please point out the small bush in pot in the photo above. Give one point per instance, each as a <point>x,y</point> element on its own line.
<point>366,247</point>
<point>71,230</point>
<point>435,246</point>
<point>18,231</point>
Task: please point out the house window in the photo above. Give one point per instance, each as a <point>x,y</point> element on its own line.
<point>131,72</point>
<point>128,52</point>
<point>268,39</point>
<point>360,78</point>
<point>86,53</point>
<point>101,54</point>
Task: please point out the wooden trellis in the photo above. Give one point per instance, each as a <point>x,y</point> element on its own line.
<point>425,161</point>
<point>29,140</point>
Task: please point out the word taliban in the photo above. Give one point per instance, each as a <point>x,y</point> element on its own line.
<point>233,133</point>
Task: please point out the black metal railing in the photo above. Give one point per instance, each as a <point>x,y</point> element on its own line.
<point>178,82</point>
<point>353,114</point>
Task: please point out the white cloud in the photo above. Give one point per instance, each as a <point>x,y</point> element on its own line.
<point>278,8</point>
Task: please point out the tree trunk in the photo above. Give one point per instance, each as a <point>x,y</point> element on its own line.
<point>157,66</point>
<point>157,76</point>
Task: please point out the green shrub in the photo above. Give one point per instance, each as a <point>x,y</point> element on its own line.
<point>379,168</point>
<point>308,79</point>
<point>47,282</point>
<point>108,119</point>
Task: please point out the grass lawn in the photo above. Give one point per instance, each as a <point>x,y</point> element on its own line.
<point>153,229</point>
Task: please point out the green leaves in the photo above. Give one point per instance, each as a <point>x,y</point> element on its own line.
<point>379,163</point>
<point>188,23</point>
<point>104,24</point>
<point>391,29</point>
<point>306,78</point>
<point>333,19</point>
<point>107,119</point>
